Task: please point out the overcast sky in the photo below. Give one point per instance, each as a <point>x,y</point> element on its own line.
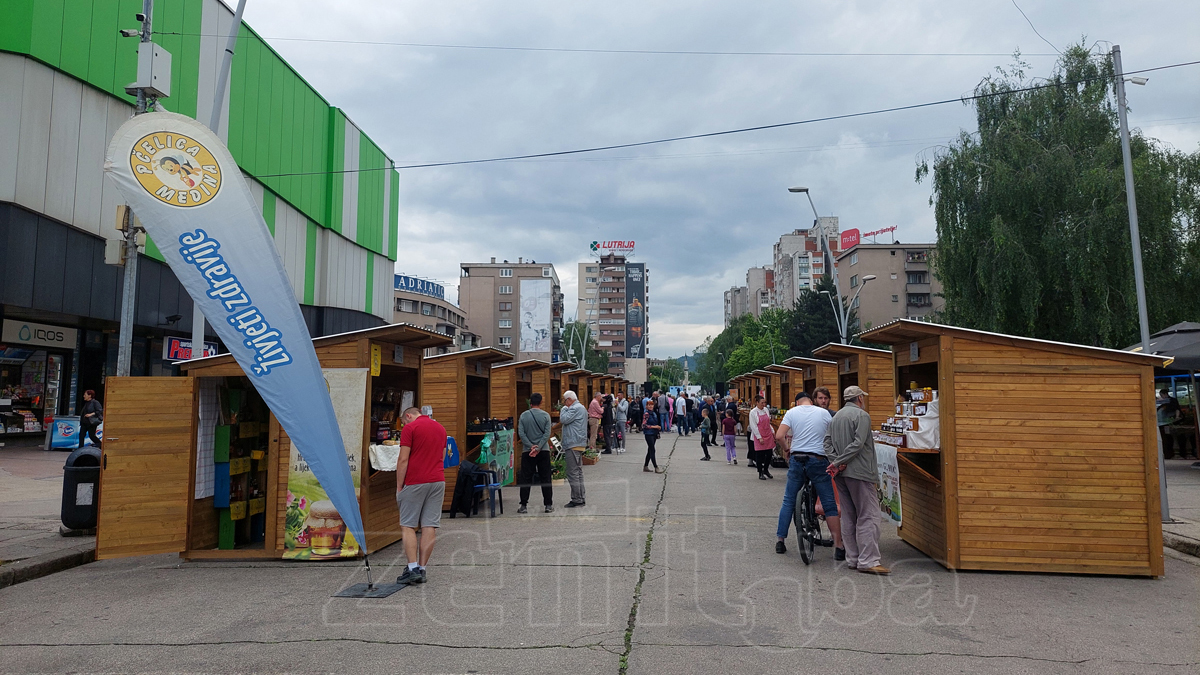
<point>701,211</point>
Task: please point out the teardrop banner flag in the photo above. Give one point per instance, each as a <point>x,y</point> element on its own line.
<point>189,194</point>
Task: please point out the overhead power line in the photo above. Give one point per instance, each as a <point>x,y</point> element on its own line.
<point>729,132</point>
<point>585,50</point>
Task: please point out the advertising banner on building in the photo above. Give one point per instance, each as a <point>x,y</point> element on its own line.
<point>635,310</point>
<point>189,194</point>
<point>536,302</point>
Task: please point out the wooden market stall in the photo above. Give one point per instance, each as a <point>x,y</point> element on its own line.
<point>199,465</point>
<point>458,387</point>
<point>817,373</point>
<point>769,382</point>
<point>577,380</point>
<point>606,384</point>
<point>559,383</point>
<point>512,386</point>
<point>791,382</point>
<point>870,369</point>
<point>1047,459</point>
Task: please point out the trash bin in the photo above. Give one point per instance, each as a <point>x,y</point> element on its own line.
<point>81,487</point>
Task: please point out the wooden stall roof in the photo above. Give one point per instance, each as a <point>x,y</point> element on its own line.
<point>399,333</point>
<point>799,361</point>
<point>527,363</point>
<point>780,368</point>
<point>577,371</point>
<point>906,330</point>
<point>836,350</point>
<point>561,367</point>
<point>484,354</point>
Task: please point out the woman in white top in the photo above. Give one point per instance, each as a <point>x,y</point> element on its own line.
<point>762,434</point>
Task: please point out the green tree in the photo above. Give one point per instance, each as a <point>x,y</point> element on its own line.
<point>668,375</point>
<point>713,355</point>
<point>811,323</point>
<point>576,333</point>
<point>762,343</point>
<point>1033,233</point>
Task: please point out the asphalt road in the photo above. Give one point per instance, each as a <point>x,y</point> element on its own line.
<point>670,573</point>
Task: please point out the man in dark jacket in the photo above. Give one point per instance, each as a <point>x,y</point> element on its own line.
<point>90,417</point>
<point>533,428</point>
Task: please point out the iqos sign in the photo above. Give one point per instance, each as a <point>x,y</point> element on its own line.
<point>38,334</point>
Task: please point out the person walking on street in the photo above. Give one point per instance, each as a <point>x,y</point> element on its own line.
<point>636,410</point>
<point>420,488</point>
<point>691,412</point>
<point>706,424</point>
<point>665,410</point>
<point>608,425</point>
<point>719,409</point>
<point>651,429</point>
<point>533,428</point>
<point>851,451</point>
<point>729,431</point>
<point>621,419</point>
<point>681,415</point>
<point>574,419</point>
<point>90,417</point>
<point>802,432</point>
<point>595,411</point>
<point>763,437</point>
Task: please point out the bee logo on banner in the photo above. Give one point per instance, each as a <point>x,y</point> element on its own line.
<point>175,169</point>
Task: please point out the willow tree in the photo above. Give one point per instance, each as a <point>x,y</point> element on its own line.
<point>1033,233</point>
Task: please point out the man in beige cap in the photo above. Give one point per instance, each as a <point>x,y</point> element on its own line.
<point>851,452</point>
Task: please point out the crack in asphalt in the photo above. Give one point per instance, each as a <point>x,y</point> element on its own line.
<point>218,643</point>
<point>623,662</point>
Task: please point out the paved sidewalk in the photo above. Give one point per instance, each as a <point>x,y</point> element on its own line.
<point>30,505</point>
<point>1183,492</point>
<point>659,573</point>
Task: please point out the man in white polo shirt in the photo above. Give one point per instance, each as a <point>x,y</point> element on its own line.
<point>803,433</point>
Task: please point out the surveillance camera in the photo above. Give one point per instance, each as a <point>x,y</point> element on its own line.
<point>140,17</point>
<point>130,32</point>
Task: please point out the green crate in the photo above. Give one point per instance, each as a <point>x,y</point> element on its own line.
<point>225,522</point>
<point>221,435</point>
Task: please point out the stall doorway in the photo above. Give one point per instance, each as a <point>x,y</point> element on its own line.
<point>846,380</point>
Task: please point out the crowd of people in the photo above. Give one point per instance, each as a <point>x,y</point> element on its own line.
<point>835,452</point>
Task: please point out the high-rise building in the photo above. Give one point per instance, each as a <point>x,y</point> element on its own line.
<point>517,307</point>
<point>903,288</point>
<point>613,302</point>
<point>760,289</point>
<point>799,260</point>
<point>736,303</point>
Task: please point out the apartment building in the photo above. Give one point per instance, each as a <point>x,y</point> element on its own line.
<point>517,307</point>
<point>614,302</point>
<point>422,302</point>
<point>737,303</point>
<point>798,259</point>
<point>903,288</point>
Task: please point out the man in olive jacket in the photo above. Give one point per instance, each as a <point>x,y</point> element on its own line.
<point>574,419</point>
<point>851,453</point>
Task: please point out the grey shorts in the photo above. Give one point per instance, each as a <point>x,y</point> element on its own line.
<point>421,504</point>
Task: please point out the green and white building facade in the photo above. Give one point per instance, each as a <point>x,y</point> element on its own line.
<point>327,191</point>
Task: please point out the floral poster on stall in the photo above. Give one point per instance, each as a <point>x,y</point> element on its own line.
<point>889,481</point>
<point>313,528</point>
<point>497,455</point>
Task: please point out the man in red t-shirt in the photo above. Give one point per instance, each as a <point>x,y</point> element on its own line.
<point>420,488</point>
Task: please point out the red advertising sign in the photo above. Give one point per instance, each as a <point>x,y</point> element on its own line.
<point>180,349</point>
<point>881,231</point>
<point>849,239</point>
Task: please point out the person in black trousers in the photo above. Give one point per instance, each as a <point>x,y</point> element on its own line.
<point>651,427</point>
<point>90,417</point>
<point>533,428</point>
<point>608,428</point>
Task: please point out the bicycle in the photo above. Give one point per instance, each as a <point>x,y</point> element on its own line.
<point>808,522</point>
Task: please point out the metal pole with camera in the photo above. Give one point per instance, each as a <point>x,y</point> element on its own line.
<point>125,221</point>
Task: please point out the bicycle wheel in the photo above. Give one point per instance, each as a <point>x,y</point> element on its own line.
<point>808,529</point>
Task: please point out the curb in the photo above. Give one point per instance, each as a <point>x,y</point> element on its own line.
<point>1182,544</point>
<point>46,564</point>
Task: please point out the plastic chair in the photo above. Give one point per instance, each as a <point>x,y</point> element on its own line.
<point>486,479</point>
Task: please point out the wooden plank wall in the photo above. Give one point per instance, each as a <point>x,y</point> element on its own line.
<point>923,513</point>
<point>827,376</point>
<point>382,521</point>
<point>880,387</point>
<point>282,469</point>
<point>1051,460</point>
<point>203,533</point>
<point>504,393</point>
<point>444,386</point>
<point>342,355</point>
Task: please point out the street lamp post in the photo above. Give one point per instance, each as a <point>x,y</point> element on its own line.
<point>839,312</point>
<point>1135,238</point>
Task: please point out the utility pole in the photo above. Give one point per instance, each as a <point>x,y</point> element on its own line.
<point>1139,281</point>
<point>214,124</point>
<point>129,287</point>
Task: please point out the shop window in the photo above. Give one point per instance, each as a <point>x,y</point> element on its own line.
<point>506,272</point>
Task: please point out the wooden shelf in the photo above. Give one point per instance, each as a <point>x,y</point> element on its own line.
<point>924,451</point>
